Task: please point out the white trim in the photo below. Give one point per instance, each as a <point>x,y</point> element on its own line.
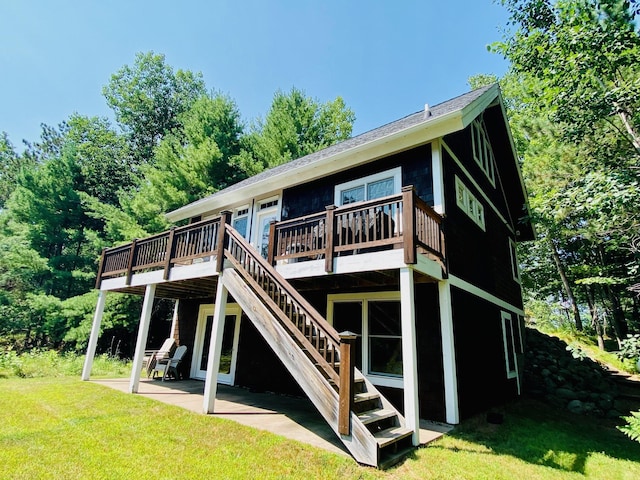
<point>141,342</point>
<point>450,374</point>
<point>174,318</point>
<point>478,292</point>
<point>395,381</point>
<point>475,184</point>
<point>513,255</point>
<point>507,317</point>
<point>395,173</point>
<point>259,214</point>
<point>409,353</point>
<point>437,175</point>
<point>206,310</point>
<point>93,337</point>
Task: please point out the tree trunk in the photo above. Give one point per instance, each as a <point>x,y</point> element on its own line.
<point>567,286</point>
<point>595,318</point>
<point>618,322</point>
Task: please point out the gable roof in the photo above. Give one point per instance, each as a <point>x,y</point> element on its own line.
<point>412,130</point>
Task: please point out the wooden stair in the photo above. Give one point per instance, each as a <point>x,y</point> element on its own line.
<point>306,345</point>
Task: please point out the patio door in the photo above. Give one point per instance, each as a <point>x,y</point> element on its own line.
<point>266,211</point>
<point>229,353</point>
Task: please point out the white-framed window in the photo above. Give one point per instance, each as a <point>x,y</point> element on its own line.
<point>469,203</point>
<point>513,254</point>
<point>375,319</point>
<point>482,151</point>
<point>508,338</point>
<point>241,220</point>
<point>374,186</point>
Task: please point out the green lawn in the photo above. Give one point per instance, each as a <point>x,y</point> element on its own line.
<point>68,429</point>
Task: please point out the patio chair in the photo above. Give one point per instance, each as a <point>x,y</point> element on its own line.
<point>169,366</point>
<point>151,357</point>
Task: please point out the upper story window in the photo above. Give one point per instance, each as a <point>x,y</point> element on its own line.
<point>368,188</point>
<point>508,337</point>
<point>482,151</point>
<point>469,203</point>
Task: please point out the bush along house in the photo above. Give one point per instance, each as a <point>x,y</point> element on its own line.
<point>378,277</point>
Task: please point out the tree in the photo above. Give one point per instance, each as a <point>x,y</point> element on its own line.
<point>574,111</point>
<point>10,167</point>
<point>149,98</point>
<point>295,126</point>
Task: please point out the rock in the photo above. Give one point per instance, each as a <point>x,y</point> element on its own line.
<point>613,413</point>
<point>566,393</point>
<point>576,406</point>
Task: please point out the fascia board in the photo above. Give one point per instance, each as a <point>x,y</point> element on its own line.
<point>418,134</point>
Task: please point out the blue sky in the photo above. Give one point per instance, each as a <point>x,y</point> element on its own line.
<point>385,58</point>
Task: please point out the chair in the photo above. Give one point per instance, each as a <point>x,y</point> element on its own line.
<point>151,357</point>
<point>169,366</point>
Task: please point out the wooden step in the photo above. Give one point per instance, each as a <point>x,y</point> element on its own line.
<point>391,459</point>
<point>371,416</point>
<point>391,435</point>
<point>365,397</point>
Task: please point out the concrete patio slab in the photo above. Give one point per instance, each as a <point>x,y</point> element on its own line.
<point>291,417</point>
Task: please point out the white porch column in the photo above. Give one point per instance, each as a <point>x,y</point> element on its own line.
<point>141,342</point>
<point>409,353</point>
<point>448,353</point>
<point>95,333</point>
<point>215,347</point>
<point>174,319</point>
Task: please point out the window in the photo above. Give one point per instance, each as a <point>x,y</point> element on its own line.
<point>375,319</point>
<point>515,271</point>
<point>482,151</point>
<point>509,345</point>
<point>469,204</point>
<point>241,221</point>
<point>368,188</point>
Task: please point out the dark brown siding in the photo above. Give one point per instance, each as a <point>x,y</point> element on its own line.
<point>187,323</point>
<point>314,196</point>
<point>429,348</point>
<point>480,360</point>
<point>480,257</point>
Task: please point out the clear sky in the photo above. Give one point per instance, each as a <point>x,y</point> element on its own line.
<point>385,58</point>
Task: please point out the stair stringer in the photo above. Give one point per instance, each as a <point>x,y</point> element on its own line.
<point>361,443</point>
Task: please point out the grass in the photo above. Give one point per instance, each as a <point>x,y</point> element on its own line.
<point>49,363</point>
<point>71,429</point>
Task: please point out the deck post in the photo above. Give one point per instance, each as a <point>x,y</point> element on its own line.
<point>328,237</point>
<point>272,242</point>
<point>95,333</point>
<point>448,353</point>
<point>225,218</point>
<point>132,254</point>
<point>141,342</point>
<point>345,405</point>
<point>100,269</point>
<point>409,353</point>
<point>409,225</point>
<point>215,347</point>
<point>169,253</point>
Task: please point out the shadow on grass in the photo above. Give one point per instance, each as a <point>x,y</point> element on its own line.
<point>543,435</point>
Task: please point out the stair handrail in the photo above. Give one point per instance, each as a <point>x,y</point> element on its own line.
<point>326,328</point>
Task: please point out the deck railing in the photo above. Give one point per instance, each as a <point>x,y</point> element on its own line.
<point>178,246</point>
<point>398,221</point>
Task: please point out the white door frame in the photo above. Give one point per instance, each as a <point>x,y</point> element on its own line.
<point>205,311</point>
<point>259,215</point>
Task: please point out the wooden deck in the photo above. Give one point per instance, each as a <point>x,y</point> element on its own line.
<point>292,417</point>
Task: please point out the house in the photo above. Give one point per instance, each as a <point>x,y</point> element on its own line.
<point>377,276</point>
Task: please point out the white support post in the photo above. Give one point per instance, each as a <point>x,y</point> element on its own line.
<point>438,176</point>
<point>409,353</point>
<point>448,353</point>
<point>141,342</point>
<point>215,347</point>
<point>174,319</point>
<point>95,333</point>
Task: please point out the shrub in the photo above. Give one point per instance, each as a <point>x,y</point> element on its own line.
<point>50,363</point>
<point>632,428</point>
